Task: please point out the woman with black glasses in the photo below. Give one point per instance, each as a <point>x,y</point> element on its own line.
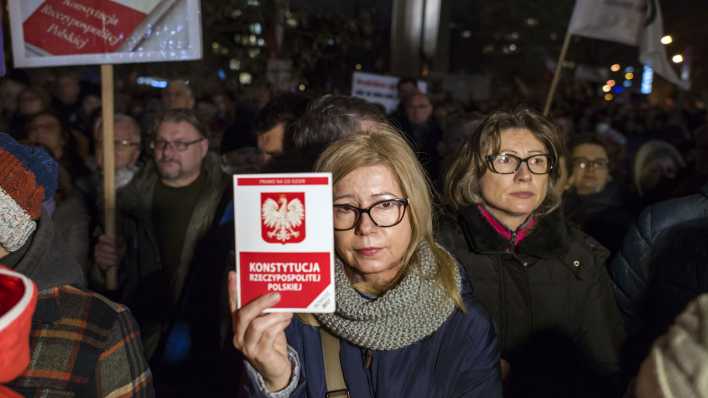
<point>543,282</point>
<point>406,324</point>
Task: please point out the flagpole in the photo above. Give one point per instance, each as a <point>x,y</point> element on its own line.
<point>556,75</point>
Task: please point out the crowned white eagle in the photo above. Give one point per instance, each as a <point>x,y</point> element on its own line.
<point>282,217</point>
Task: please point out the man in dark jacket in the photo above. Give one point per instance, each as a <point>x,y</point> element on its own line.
<point>679,265</point>
<point>167,216</point>
<point>630,270</point>
<point>82,344</point>
<point>635,274</point>
<point>423,132</point>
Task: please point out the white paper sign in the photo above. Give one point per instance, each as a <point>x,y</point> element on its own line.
<point>76,32</point>
<point>285,240</point>
<point>379,89</point>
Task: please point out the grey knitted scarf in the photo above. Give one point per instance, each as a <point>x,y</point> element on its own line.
<point>403,315</point>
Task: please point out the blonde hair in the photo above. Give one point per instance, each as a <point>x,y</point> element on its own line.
<point>462,182</point>
<point>385,146</point>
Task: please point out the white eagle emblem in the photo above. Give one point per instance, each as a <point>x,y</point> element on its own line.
<point>282,217</point>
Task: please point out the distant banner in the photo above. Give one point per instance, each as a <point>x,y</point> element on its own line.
<point>379,89</point>
<point>75,32</point>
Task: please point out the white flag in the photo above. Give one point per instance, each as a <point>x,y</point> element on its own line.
<point>652,52</point>
<point>612,20</point>
<point>631,22</point>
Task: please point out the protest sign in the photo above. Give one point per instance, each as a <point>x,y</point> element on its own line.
<point>285,240</point>
<point>74,32</point>
<point>379,89</point>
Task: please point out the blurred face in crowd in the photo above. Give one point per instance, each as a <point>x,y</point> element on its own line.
<point>178,95</point>
<point>45,130</point>
<point>406,90</point>
<point>590,168</point>
<point>90,104</point>
<point>270,142</point>
<point>179,150</point>
<point>419,109</point>
<point>657,171</point>
<point>68,89</point>
<point>224,104</point>
<point>10,91</point>
<point>372,253</point>
<point>30,103</point>
<point>126,144</point>
<point>512,197</point>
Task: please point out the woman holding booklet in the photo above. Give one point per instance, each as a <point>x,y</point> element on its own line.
<point>406,324</point>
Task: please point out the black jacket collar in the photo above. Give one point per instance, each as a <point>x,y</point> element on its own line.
<point>549,237</point>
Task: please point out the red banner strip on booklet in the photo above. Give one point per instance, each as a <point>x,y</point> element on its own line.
<point>299,277</point>
<point>283,181</point>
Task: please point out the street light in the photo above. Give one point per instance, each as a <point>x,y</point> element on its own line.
<point>677,59</point>
<point>615,67</point>
<point>666,40</point>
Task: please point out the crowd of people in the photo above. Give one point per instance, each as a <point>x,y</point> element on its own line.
<point>482,249</point>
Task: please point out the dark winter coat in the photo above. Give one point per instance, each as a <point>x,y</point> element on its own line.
<point>459,360</point>
<point>679,266</point>
<point>603,215</point>
<point>81,344</point>
<point>551,300</point>
<point>630,268</point>
<point>171,336</point>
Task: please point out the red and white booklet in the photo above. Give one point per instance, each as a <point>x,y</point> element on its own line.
<point>285,240</point>
<point>70,27</point>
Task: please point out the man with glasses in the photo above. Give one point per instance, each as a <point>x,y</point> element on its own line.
<point>422,131</point>
<point>166,215</point>
<point>127,151</point>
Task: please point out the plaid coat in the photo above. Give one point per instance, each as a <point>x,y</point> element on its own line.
<point>84,345</point>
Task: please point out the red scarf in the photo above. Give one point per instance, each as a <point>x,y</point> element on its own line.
<point>521,233</point>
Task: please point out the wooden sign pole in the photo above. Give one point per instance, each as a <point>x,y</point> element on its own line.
<point>109,187</point>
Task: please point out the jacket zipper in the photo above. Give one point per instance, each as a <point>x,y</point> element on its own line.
<point>368,360</point>
<point>525,265</point>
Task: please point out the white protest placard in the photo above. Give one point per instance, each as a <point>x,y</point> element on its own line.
<point>285,240</point>
<point>379,89</point>
<point>80,32</point>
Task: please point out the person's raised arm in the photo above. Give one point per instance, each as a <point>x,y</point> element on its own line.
<point>261,337</point>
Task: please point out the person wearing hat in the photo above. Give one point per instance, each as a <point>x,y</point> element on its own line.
<point>82,344</point>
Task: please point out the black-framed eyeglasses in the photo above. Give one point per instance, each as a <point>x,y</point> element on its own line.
<point>384,213</point>
<point>587,164</point>
<point>505,163</point>
<point>179,146</point>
